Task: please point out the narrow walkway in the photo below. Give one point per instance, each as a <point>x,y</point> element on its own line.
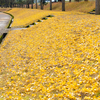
<point>4,21</point>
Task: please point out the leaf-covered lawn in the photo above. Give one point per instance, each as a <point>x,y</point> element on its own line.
<point>24,17</point>
<point>57,59</point>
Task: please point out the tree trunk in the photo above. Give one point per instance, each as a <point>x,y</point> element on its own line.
<point>32,4</point>
<point>85,0</point>
<point>50,4</point>
<point>1,6</point>
<point>59,0</point>
<point>69,0</point>
<point>63,5</point>
<point>97,7</point>
<point>41,4</point>
<point>11,3</point>
<point>6,3</point>
<point>36,4</point>
<point>77,0</point>
<point>27,3</point>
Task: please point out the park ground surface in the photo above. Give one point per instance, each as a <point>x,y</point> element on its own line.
<point>4,21</point>
<point>57,59</point>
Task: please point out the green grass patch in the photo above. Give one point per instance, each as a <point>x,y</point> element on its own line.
<point>1,38</point>
<point>1,98</point>
<point>33,23</point>
<point>50,16</point>
<point>44,18</point>
<point>27,26</point>
<point>98,94</point>
<point>39,21</point>
<point>12,17</point>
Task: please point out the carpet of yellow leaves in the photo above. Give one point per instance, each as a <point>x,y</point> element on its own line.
<point>24,17</point>
<point>57,59</point>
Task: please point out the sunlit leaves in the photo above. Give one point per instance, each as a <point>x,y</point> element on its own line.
<point>58,58</point>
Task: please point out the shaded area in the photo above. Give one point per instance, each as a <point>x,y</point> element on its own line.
<point>92,12</point>
<point>2,37</point>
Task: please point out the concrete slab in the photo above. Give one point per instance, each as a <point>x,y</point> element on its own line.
<point>4,21</point>
<point>17,28</point>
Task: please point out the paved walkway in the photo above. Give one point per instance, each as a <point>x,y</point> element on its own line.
<point>4,21</point>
